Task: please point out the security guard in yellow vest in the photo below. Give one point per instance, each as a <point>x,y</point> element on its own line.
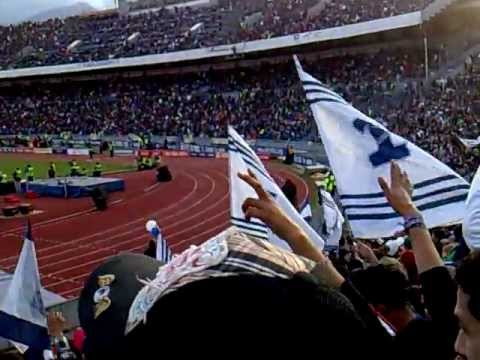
<point>144,165</point>
<point>330,183</point>
<point>97,170</point>
<point>30,172</point>
<point>3,178</point>
<point>150,163</point>
<point>52,170</point>
<point>74,169</point>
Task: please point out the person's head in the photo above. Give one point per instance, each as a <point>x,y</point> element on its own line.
<point>226,310</point>
<point>468,308</point>
<point>388,291</point>
<point>290,191</point>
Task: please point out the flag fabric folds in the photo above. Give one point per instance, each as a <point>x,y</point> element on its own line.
<point>360,150</point>
<point>242,158</point>
<point>333,219</point>
<point>23,318</point>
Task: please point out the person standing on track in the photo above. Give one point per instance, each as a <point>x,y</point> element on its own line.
<point>30,172</point>
<point>74,168</point>
<point>3,178</point>
<point>17,179</point>
<point>52,170</point>
<point>97,170</point>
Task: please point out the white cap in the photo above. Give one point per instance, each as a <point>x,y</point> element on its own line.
<point>471,220</point>
<point>150,225</point>
<point>394,245</point>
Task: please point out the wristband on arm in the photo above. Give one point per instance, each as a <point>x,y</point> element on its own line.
<point>413,222</point>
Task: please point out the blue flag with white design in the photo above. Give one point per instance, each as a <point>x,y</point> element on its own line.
<point>23,318</point>
<point>360,150</point>
<point>242,158</point>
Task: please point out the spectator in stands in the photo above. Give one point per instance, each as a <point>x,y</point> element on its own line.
<point>202,105</point>
<point>204,296</point>
<point>60,343</point>
<point>468,308</point>
<point>416,338</point>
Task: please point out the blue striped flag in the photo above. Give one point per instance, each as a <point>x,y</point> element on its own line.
<point>163,254</point>
<point>23,318</point>
<point>360,150</point>
<point>242,158</point>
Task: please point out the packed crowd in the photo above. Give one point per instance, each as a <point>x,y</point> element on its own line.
<point>198,105</point>
<point>293,16</point>
<point>152,4</point>
<point>110,35</point>
<point>411,298</point>
<point>382,85</point>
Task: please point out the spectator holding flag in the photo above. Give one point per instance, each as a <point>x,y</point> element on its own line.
<point>23,319</point>
<point>157,247</point>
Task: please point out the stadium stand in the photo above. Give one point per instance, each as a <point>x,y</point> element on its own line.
<point>293,16</point>
<point>111,35</point>
<point>386,86</point>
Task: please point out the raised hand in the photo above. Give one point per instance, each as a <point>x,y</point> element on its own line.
<point>366,253</point>
<point>399,193</point>
<point>56,323</point>
<point>266,209</point>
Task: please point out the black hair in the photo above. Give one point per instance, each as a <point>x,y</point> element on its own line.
<point>467,279</point>
<point>290,191</point>
<point>381,286</point>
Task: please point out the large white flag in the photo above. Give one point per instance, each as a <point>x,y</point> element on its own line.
<point>23,319</point>
<point>242,158</point>
<point>360,150</point>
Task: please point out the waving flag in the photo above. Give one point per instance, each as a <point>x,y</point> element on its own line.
<point>332,219</point>
<point>23,319</point>
<point>163,251</point>
<point>242,158</point>
<point>360,150</point>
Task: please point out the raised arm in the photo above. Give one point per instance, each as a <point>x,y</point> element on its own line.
<point>398,194</point>
<point>266,209</point>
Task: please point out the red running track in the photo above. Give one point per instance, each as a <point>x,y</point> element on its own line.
<point>72,238</point>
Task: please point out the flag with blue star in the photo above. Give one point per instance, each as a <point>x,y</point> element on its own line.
<point>360,150</point>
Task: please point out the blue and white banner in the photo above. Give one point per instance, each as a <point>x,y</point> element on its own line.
<point>163,254</point>
<point>23,319</point>
<point>360,150</point>
<point>242,158</point>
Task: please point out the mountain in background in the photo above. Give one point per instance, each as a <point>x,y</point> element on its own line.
<point>64,12</point>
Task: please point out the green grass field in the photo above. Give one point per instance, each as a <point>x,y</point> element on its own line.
<point>8,165</point>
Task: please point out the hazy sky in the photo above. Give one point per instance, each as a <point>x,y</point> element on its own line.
<point>16,10</point>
